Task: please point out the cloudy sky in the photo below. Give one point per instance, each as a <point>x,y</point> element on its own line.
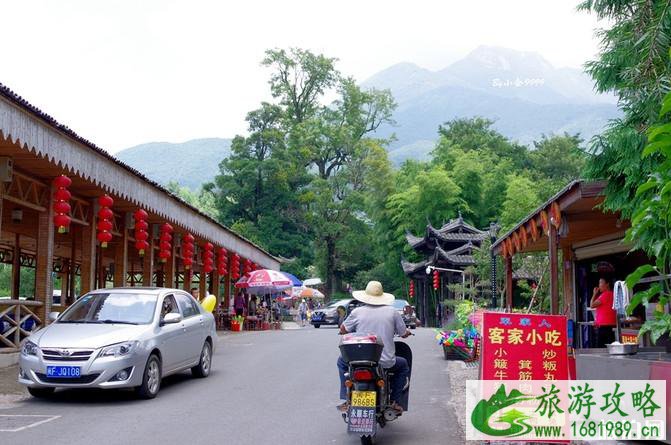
<point>122,73</point>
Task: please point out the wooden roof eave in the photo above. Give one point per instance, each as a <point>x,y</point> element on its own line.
<point>21,126</point>
<point>565,198</point>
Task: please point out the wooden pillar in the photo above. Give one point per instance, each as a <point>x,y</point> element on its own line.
<point>169,268</point>
<point>227,290</point>
<point>121,256</point>
<point>148,260</point>
<point>508,262</point>
<point>69,298</point>
<point>202,283</point>
<point>187,279</point>
<point>16,267</point>
<point>554,272</point>
<point>44,261</point>
<point>567,279</point>
<point>65,280</point>
<point>87,268</point>
<point>216,281</point>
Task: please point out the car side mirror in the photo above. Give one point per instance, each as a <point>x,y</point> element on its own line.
<point>53,316</point>
<point>171,318</point>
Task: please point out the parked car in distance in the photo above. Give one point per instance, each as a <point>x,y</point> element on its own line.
<point>334,313</point>
<point>407,312</point>
<point>119,338</point>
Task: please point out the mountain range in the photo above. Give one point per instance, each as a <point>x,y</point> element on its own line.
<point>520,91</point>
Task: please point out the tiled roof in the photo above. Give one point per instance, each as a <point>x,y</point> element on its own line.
<point>457,260</point>
<point>414,240</point>
<point>409,267</point>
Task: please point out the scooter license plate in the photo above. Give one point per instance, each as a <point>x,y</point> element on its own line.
<point>364,399</point>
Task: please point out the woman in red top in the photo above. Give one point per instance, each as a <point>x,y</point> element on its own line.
<point>604,318</point>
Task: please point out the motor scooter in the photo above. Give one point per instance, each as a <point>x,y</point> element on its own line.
<point>368,385</point>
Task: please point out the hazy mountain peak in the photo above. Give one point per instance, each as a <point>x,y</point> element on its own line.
<point>506,59</point>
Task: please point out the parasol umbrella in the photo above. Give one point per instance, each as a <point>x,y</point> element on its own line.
<point>308,292</point>
<point>264,281</point>
<point>294,281</point>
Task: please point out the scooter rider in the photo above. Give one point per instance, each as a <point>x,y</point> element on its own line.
<point>378,317</point>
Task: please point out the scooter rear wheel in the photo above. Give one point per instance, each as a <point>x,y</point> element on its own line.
<point>367,440</point>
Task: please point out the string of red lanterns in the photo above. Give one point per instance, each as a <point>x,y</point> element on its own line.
<point>62,197</point>
<point>141,231</point>
<point>247,267</point>
<point>187,250</point>
<point>235,266</point>
<point>411,291</point>
<point>105,216</point>
<point>436,280</point>
<point>208,258</point>
<point>165,242</point>
<point>222,262</point>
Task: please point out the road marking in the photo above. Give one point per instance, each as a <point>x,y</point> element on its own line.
<point>45,419</point>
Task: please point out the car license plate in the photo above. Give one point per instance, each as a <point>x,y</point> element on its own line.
<point>63,371</point>
<point>364,399</point>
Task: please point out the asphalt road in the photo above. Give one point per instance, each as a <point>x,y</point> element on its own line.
<point>276,387</point>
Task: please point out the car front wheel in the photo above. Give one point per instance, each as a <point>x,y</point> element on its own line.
<point>202,369</point>
<point>151,380</point>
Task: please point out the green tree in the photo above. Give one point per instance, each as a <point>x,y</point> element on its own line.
<point>632,64</point>
<point>555,161</point>
<point>521,198</point>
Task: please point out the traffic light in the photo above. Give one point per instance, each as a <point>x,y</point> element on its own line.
<point>436,279</point>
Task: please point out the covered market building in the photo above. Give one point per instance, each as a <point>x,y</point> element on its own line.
<point>78,219</point>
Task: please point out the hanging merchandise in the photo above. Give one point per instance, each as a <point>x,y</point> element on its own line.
<point>555,215</point>
<point>208,258</point>
<point>62,197</point>
<point>141,231</point>
<point>533,230</point>
<point>165,242</point>
<point>105,218</point>
<point>222,262</point>
<point>187,250</point>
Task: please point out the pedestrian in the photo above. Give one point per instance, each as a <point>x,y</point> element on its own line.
<point>251,309</point>
<point>239,304</point>
<point>604,318</point>
<point>195,293</point>
<point>303,312</point>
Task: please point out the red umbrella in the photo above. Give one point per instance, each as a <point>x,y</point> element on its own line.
<point>264,281</point>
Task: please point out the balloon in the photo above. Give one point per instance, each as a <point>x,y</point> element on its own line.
<point>209,303</point>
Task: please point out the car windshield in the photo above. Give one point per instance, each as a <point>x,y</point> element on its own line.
<point>400,304</point>
<point>112,308</point>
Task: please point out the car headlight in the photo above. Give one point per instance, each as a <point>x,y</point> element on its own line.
<point>119,349</point>
<point>29,348</point>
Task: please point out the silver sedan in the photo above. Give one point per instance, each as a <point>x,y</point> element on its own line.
<point>120,338</point>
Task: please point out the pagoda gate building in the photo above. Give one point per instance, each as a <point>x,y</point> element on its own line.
<point>448,247</point>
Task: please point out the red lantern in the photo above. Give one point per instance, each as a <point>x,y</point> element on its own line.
<point>235,266</point>
<point>105,216</point>
<point>247,267</point>
<point>62,208</point>
<point>187,250</point>
<point>141,231</point>
<point>165,245</point>
<point>222,262</point>
<point>555,215</point>
<point>436,279</point>
<point>411,291</point>
<point>208,258</point>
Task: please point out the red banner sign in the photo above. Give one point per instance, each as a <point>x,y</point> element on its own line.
<point>524,347</point>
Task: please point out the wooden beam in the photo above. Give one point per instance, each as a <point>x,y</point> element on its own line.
<point>88,260</point>
<point>554,272</point>
<point>121,255</point>
<point>44,288</point>
<point>148,260</point>
<point>508,262</point>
